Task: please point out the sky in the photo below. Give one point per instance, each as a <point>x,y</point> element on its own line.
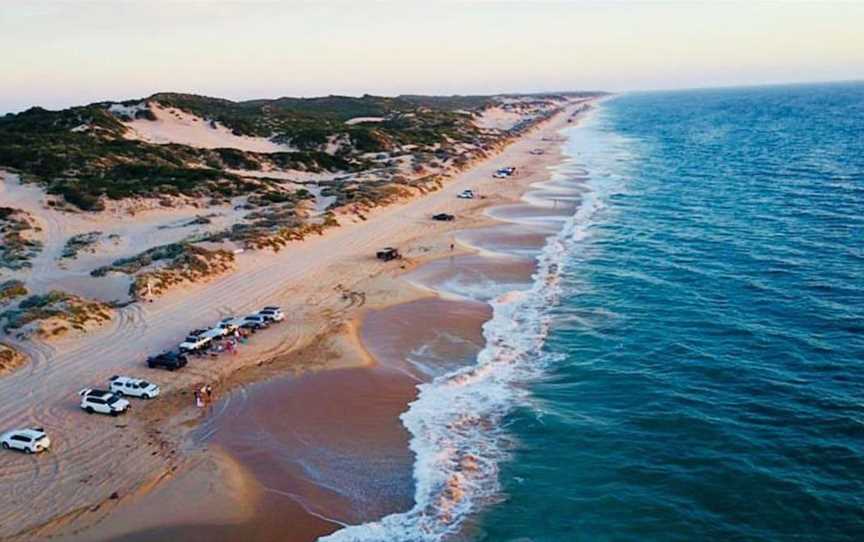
<point>69,52</point>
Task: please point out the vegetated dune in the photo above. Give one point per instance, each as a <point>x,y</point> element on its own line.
<point>54,314</point>
<point>10,359</point>
<point>176,126</point>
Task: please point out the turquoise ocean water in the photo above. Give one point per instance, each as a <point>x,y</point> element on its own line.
<point>704,373</point>
<point>688,363</point>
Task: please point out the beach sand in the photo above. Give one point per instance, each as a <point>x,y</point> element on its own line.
<point>103,470</point>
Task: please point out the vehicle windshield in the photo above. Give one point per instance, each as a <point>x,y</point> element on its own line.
<point>143,384</point>
<point>111,400</point>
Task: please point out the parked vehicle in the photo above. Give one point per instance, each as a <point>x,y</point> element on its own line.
<point>133,387</point>
<point>443,217</point>
<point>168,360</point>
<point>103,402</point>
<point>29,441</point>
<point>255,321</point>
<point>387,254</point>
<point>504,172</point>
<point>218,331</point>
<point>466,194</point>
<point>214,333</point>
<point>231,324</point>
<point>272,314</point>
<point>194,343</point>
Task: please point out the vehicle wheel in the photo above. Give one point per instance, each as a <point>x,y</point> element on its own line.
<point>28,451</point>
<point>118,393</point>
<point>89,410</point>
<point>114,413</point>
<point>145,396</point>
<point>5,445</point>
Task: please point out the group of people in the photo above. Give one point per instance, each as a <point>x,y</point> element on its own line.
<point>229,344</point>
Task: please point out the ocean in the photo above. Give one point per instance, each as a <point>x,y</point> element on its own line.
<point>686,362</point>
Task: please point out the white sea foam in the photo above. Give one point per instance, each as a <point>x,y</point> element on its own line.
<point>455,422</point>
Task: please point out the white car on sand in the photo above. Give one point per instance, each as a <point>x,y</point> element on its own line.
<point>466,194</point>
<point>231,324</point>
<point>196,341</point>
<point>272,314</point>
<point>30,441</point>
<point>133,387</point>
<point>103,402</point>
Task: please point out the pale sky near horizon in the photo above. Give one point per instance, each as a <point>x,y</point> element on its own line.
<point>69,52</point>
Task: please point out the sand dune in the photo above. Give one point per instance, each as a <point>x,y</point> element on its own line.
<point>120,237</point>
<point>361,120</point>
<point>498,118</point>
<point>177,126</point>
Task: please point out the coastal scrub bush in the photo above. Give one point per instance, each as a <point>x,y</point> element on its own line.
<point>12,289</point>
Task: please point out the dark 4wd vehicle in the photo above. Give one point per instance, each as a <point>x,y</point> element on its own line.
<point>168,360</point>
<point>388,254</point>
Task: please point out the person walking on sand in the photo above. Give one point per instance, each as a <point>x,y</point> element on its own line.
<point>198,401</point>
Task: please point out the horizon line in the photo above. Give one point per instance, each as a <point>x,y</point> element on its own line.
<point>468,94</point>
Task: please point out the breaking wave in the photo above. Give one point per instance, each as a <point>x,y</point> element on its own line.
<point>456,421</point>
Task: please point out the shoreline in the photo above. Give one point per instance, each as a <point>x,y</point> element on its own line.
<point>384,288</point>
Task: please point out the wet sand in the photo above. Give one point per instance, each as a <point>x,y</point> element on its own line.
<point>327,449</point>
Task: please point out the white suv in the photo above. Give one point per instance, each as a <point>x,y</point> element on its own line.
<point>273,314</point>
<point>230,324</point>
<point>103,402</point>
<point>31,441</point>
<point>133,387</point>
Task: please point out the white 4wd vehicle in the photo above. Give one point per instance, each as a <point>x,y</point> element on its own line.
<point>133,387</point>
<point>31,441</point>
<point>466,194</point>
<point>273,314</point>
<point>195,342</point>
<point>103,402</point>
<point>230,324</point>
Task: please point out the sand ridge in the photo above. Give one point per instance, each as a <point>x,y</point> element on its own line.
<point>177,126</point>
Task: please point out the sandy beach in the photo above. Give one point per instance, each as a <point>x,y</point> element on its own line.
<point>114,478</point>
